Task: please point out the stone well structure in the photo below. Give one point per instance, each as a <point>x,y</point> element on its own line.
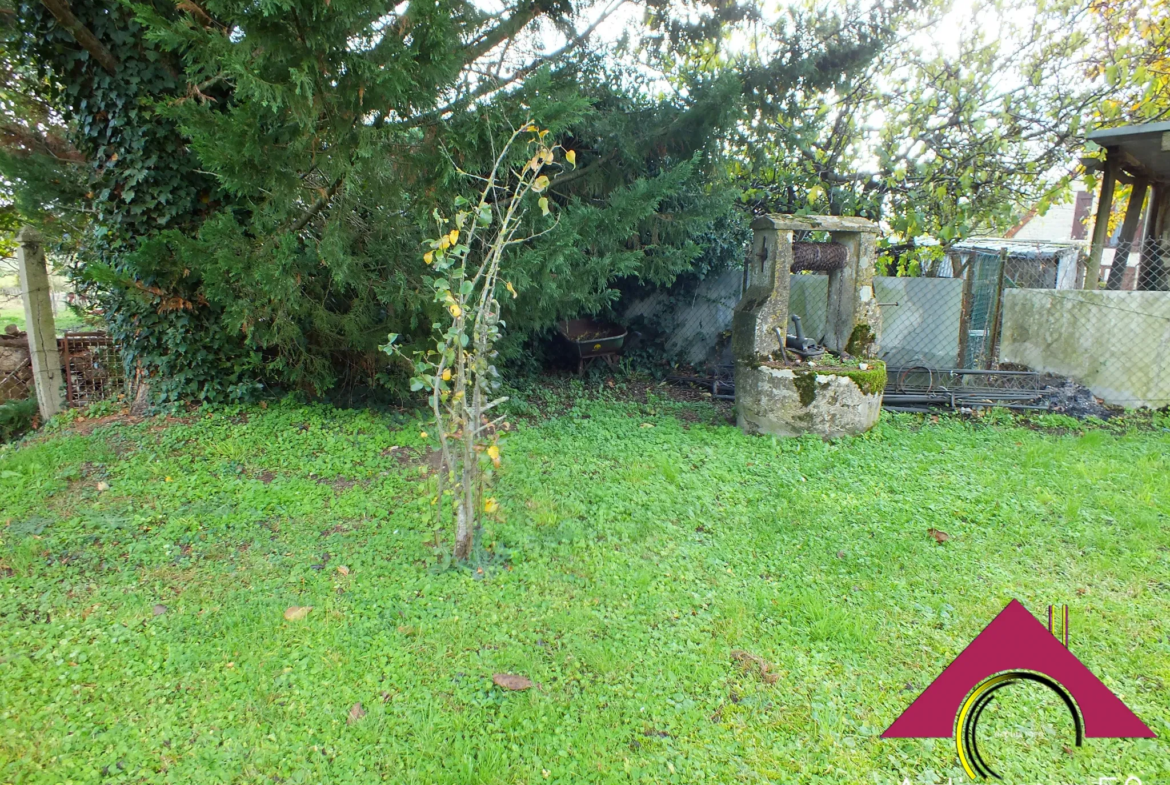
<point>774,392</point>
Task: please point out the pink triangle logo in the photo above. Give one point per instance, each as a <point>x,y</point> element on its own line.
<point>1013,647</point>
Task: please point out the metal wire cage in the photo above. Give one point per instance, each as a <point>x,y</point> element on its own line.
<point>93,368</point>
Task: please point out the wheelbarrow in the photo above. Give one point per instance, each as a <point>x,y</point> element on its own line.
<point>593,340</point>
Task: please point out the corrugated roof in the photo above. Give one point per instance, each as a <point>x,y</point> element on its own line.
<point>1037,249</point>
<point>1145,147</point>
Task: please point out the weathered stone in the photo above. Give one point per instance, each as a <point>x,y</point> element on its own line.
<point>815,223</point>
<point>788,401</point>
<point>795,401</point>
<point>764,305</point>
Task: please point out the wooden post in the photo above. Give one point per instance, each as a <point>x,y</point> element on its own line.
<point>38,316</point>
<point>1153,274</point>
<point>1133,216</point>
<point>1101,223</point>
<point>992,337</point>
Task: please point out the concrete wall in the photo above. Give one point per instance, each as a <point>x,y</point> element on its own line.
<point>696,325</point>
<point>923,329</point>
<point>808,298</point>
<point>1056,224</point>
<point>1115,343</point>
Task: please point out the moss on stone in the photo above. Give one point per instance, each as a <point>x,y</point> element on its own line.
<point>870,381</point>
<point>859,340</point>
<point>806,385</point>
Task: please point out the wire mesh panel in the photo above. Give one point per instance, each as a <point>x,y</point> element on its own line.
<point>1012,324</point>
<point>15,371</point>
<point>93,368</point>
<point>979,321</point>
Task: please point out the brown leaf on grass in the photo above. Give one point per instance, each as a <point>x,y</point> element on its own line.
<point>753,662</point>
<point>510,681</point>
<point>343,569</point>
<point>356,712</point>
<point>159,610</point>
<point>939,536</point>
<point>297,612</point>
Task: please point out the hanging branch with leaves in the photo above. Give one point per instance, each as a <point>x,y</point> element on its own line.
<point>459,374</point>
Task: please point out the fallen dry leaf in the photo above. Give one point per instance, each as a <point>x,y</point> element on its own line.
<point>103,486</point>
<point>510,681</point>
<point>297,612</point>
<point>343,569</point>
<point>939,536</point>
<point>159,610</point>
<point>356,712</point>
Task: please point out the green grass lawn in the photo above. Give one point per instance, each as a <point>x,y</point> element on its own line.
<point>142,635</point>
<point>12,312</point>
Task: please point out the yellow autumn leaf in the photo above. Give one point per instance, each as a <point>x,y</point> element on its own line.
<point>455,310</point>
<point>571,156</point>
<point>543,205</point>
<point>445,242</point>
<point>454,236</point>
<point>429,257</point>
<point>511,290</point>
<point>494,453</point>
<point>540,183</point>
<point>490,505</point>
<point>447,374</point>
<point>422,434</point>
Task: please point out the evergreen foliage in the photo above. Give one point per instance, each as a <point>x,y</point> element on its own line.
<point>259,177</point>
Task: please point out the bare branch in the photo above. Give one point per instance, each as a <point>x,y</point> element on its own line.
<point>64,15</point>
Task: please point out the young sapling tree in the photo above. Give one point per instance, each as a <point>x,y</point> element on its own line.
<point>459,374</point>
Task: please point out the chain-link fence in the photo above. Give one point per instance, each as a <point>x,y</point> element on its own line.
<point>1006,323</point>
<point>992,322</point>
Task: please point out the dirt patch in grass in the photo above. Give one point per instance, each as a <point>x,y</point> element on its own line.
<point>410,457</point>
<point>339,484</point>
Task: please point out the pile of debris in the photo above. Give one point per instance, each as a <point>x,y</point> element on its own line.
<point>926,390</point>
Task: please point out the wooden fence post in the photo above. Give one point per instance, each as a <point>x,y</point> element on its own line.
<point>1101,223</point>
<point>38,317</point>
